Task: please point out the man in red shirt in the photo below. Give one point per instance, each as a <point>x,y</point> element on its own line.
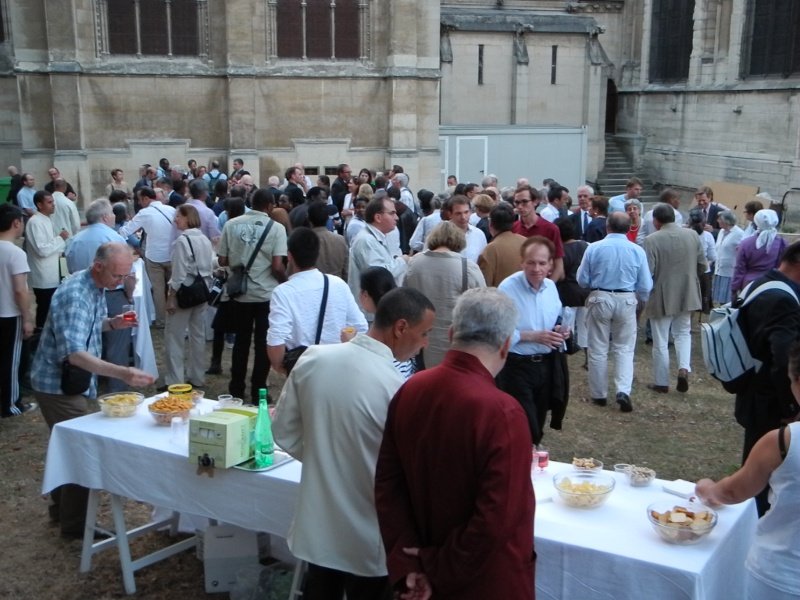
<point>526,199</point>
<point>452,483</point>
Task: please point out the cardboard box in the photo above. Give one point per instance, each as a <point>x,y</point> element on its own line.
<point>226,549</point>
<point>221,438</point>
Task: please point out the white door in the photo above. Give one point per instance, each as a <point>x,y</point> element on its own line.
<point>471,158</point>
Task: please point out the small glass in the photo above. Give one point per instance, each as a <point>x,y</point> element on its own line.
<point>180,432</point>
<point>129,313</point>
<point>542,455</point>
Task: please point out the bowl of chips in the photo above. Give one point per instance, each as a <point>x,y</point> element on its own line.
<point>164,410</point>
<point>584,489</point>
<point>120,404</point>
<point>682,524</point>
<point>587,464</point>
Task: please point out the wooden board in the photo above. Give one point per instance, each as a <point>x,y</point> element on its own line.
<point>733,195</point>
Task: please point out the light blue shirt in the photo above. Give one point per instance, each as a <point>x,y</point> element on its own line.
<point>25,198</point>
<point>223,217</point>
<point>82,247</point>
<point>616,263</point>
<point>616,204</point>
<point>538,310</point>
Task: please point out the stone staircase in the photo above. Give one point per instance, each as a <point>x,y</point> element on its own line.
<point>616,171</point>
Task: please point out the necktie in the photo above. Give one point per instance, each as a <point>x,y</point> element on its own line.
<point>585,221</point>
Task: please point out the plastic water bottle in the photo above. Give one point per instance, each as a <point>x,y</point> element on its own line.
<point>265,448</point>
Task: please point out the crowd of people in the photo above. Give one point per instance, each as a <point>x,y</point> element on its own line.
<point>489,286</point>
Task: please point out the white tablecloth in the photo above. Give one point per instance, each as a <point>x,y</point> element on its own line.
<point>144,355</point>
<point>135,458</point>
<point>610,552</point>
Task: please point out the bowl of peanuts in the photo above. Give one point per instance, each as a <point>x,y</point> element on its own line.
<point>164,410</point>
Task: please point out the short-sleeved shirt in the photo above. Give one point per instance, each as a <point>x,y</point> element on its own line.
<point>545,229</point>
<point>74,324</point>
<point>239,239</point>
<point>13,261</point>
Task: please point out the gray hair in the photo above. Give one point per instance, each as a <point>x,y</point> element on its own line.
<point>728,217</point>
<point>402,178</point>
<point>97,210</point>
<point>483,316</point>
<point>633,202</point>
<point>198,187</point>
<point>489,181</point>
<point>589,189</point>
<point>664,213</point>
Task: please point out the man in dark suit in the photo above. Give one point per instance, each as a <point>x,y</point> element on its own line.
<point>770,324</point>
<point>580,217</point>
<point>704,196</point>
<point>339,185</point>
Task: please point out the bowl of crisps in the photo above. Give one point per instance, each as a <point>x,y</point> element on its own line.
<point>584,489</point>
<point>587,464</point>
<point>164,410</point>
<point>683,524</point>
<point>120,404</point>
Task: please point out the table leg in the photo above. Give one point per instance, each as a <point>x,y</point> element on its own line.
<point>88,531</point>
<point>122,544</point>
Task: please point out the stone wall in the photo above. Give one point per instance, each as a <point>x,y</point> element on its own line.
<point>65,101</point>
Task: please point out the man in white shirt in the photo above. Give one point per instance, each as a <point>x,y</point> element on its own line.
<point>330,417</point>
<point>400,181</point>
<point>371,249</point>
<point>459,216</point>
<point>15,320</point>
<point>44,247</point>
<point>155,219</point>
<point>556,204</point>
<point>295,306</point>
<point>66,216</point>
<point>668,196</point>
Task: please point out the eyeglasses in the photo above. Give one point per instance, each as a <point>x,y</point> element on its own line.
<point>518,202</point>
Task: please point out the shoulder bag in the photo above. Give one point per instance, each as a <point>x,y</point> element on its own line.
<point>75,380</point>
<point>236,285</point>
<point>291,356</point>
<point>196,293</point>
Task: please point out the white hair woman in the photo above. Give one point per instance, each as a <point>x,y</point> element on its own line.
<point>728,239</point>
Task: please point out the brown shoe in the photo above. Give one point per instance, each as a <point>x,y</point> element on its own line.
<point>661,389</point>
<point>683,381</point>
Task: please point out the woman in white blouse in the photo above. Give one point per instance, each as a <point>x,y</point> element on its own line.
<point>191,257</point>
<point>728,238</point>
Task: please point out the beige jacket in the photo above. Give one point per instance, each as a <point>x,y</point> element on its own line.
<point>675,256</point>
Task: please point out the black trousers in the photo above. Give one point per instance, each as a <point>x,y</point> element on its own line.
<point>10,349</point>
<point>43,298</point>
<point>531,383</point>
<point>323,583</point>
<point>249,321</point>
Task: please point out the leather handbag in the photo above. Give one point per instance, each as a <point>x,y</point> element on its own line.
<point>195,294</point>
<point>236,284</point>
<point>291,357</point>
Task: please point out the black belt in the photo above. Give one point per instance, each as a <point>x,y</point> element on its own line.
<point>534,358</point>
<point>115,290</point>
<point>612,291</point>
